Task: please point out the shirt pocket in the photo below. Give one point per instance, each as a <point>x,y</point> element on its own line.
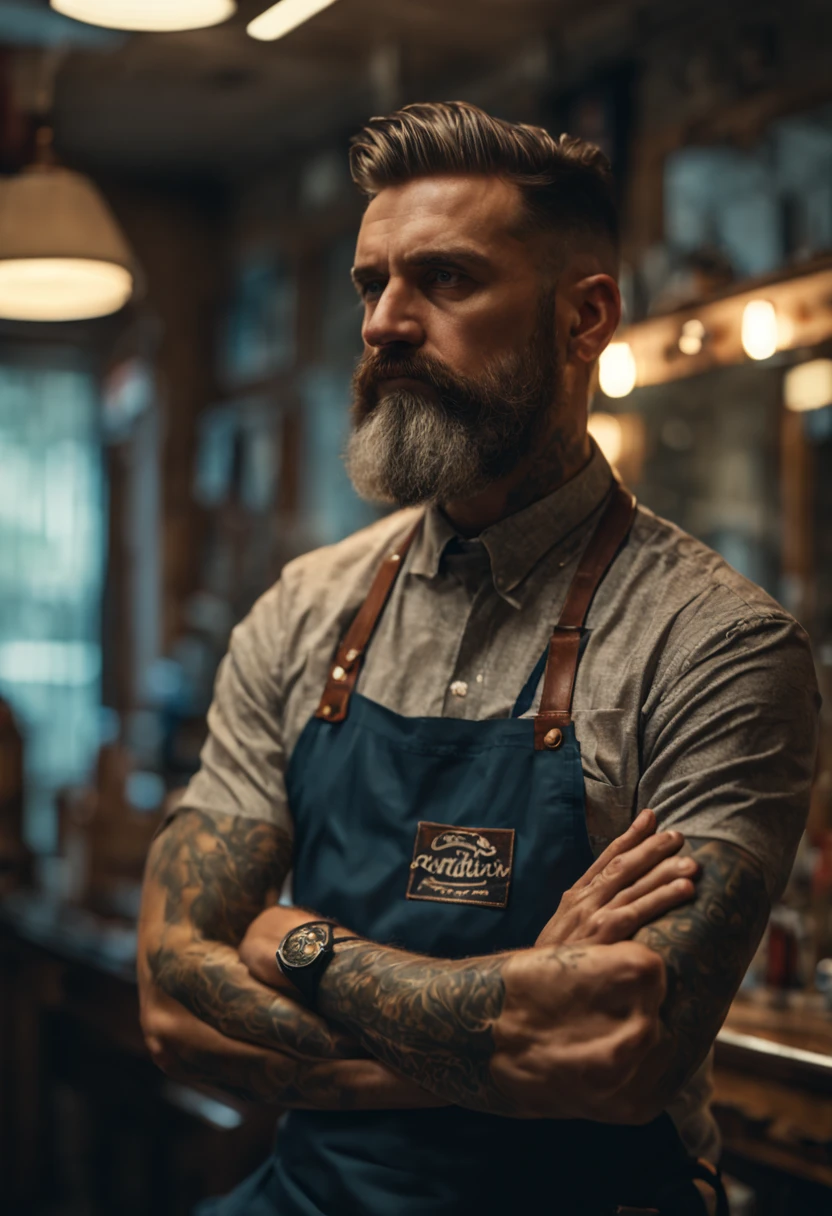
<point>608,761</point>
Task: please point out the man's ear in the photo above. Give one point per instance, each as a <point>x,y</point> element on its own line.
<point>595,311</point>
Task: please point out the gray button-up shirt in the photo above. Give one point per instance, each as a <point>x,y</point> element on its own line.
<point>695,693</point>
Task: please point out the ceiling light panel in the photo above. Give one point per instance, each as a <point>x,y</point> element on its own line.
<point>283,17</point>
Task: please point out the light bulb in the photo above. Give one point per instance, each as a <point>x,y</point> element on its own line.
<point>156,15</point>
<point>617,370</point>
<point>692,337</point>
<point>808,386</point>
<point>759,329</point>
<point>283,17</point>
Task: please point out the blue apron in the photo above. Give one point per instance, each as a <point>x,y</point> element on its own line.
<point>449,838</point>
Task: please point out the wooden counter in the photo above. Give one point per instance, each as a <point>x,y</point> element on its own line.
<point>773,1094</point>
<point>87,1122</point>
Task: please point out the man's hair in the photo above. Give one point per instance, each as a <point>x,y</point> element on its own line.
<point>566,182</point>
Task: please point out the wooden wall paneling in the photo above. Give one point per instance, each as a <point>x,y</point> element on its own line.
<point>179,239</point>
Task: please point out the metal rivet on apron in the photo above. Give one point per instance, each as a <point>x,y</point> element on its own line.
<point>395,557</point>
<point>338,673</point>
<point>351,656</point>
<point>326,710</point>
<point>553,738</point>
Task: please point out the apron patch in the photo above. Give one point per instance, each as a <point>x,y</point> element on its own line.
<point>462,865</point>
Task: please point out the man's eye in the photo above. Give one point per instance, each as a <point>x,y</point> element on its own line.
<point>372,289</point>
<point>445,278</point>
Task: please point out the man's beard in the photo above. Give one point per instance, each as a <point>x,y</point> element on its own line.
<point>458,436</point>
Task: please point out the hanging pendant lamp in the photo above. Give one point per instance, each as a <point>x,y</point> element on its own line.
<point>149,15</point>
<point>63,256</point>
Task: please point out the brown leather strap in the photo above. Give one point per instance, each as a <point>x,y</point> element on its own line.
<point>343,673</point>
<point>610,532</point>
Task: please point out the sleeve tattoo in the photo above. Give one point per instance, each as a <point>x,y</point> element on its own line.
<point>210,877</point>
<point>706,947</point>
<point>429,1019</point>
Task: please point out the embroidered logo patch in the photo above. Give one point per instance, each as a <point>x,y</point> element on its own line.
<point>462,865</point>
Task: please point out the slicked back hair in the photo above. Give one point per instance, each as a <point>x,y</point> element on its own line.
<point>566,183</point>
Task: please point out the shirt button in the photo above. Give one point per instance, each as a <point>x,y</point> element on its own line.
<point>459,688</point>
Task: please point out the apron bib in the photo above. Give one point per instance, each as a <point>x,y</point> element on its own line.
<point>451,838</point>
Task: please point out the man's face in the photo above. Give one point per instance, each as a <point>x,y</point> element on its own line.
<point>460,372</point>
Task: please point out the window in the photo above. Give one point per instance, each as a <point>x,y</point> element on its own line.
<point>51,558</point>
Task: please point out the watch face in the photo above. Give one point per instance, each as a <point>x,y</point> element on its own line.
<point>304,944</point>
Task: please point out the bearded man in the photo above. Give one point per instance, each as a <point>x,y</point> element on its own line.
<point>461,729</point>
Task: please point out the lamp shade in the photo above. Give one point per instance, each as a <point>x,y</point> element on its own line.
<point>62,254</point>
<point>159,15</point>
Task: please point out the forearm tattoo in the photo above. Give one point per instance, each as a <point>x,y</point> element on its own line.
<point>284,1080</point>
<point>221,871</point>
<point>429,1019</point>
<point>217,874</point>
<point>706,946</point>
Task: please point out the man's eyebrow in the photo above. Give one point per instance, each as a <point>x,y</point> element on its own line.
<point>452,255</point>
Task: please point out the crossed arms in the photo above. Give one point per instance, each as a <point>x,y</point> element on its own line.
<point>587,1024</point>
<point>604,1018</point>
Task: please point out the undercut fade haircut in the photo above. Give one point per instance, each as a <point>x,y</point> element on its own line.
<point>566,183</point>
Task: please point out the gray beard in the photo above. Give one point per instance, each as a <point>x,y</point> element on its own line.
<point>409,451</point>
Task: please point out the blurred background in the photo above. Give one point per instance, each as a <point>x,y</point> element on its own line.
<point>177,334</point>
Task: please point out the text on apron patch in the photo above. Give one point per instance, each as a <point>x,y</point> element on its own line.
<point>461,865</point>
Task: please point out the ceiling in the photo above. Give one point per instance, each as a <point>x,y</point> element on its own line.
<point>215,102</point>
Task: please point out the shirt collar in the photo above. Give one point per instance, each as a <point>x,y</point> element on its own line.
<point>517,543</point>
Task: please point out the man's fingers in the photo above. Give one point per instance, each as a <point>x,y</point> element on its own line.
<point>643,826</point>
<point>662,874</point>
<point>629,867</point>
<point>621,923</point>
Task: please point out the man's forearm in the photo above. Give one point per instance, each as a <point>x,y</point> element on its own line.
<point>551,1032</point>
<point>187,1049</point>
<point>429,1019</point>
<point>207,879</point>
<point>706,946</point>
<point>211,982</point>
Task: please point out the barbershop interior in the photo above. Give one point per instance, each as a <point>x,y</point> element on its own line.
<point>178,333</point>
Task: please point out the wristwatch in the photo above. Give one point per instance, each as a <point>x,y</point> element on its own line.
<point>305,953</point>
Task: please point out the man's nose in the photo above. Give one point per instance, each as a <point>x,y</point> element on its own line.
<point>394,319</point>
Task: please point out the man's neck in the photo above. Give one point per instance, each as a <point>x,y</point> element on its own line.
<point>556,461</point>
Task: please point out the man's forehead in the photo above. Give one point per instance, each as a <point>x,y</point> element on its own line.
<point>483,212</point>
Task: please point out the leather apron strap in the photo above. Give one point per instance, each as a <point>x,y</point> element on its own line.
<point>561,667</point>
<point>555,710</point>
<point>349,656</point>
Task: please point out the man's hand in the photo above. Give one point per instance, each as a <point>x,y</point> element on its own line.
<point>575,1027</point>
<point>636,879</point>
